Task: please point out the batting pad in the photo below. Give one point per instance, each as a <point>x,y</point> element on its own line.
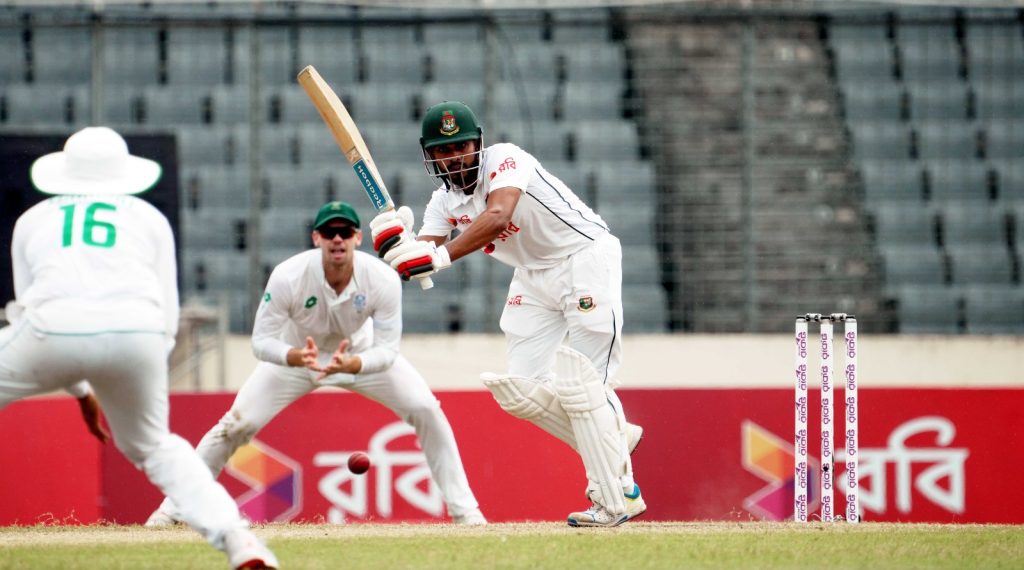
<point>595,424</point>
<point>531,399</point>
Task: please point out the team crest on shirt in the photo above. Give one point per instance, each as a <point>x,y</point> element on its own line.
<point>359,302</point>
<point>448,125</point>
<point>266,297</point>
<point>586,304</point>
<point>310,302</point>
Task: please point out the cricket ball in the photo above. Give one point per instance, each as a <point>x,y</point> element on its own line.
<point>358,462</point>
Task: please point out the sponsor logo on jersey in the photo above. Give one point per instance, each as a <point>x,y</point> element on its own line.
<point>489,248</point>
<point>586,304</point>
<point>508,232</point>
<point>266,297</point>
<point>310,302</point>
<point>448,125</point>
<point>507,164</point>
<point>465,220</point>
<point>514,300</point>
<point>359,302</point>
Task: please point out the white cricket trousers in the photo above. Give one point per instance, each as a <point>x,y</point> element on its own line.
<point>271,388</point>
<point>128,372</point>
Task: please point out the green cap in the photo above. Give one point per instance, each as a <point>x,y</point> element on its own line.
<point>448,122</point>
<point>336,211</point>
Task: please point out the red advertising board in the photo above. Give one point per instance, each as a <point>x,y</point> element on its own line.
<point>926,455</point>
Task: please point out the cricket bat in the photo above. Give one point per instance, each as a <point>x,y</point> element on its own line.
<point>352,145</point>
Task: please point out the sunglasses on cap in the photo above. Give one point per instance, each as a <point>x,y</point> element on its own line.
<point>329,232</point>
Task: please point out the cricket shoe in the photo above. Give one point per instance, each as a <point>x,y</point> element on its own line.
<point>597,515</point>
<point>246,552</point>
<point>471,518</point>
<point>160,518</point>
<point>634,434</point>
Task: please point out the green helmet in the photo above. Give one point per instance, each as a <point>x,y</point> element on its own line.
<point>448,122</point>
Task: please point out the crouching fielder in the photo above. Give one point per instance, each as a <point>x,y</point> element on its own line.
<point>567,282</point>
<point>96,295</point>
<point>334,299</point>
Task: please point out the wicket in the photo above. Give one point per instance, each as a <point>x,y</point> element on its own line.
<point>801,484</point>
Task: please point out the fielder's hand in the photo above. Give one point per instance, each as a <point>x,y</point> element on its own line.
<point>92,415</point>
<point>341,362</point>
<point>391,229</point>
<point>418,259</point>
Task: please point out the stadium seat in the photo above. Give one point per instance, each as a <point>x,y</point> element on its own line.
<point>219,186</point>
<point>293,106</point>
<point>277,53</point>
<point>12,56</point>
<point>859,62</point>
<point>529,62</point>
<point>938,100</point>
<point>131,56</point>
<point>912,264</point>
<point>399,64</point>
<point>451,61</point>
<point>633,224</point>
<point>644,309</point>
<point>61,55</point>
<point>973,224</point>
<point>999,101</point>
<point>928,309</point>
<point>471,93</point>
<point>957,180</point>
<point>1010,174</point>
<point>899,224</point>
<point>928,51</point>
<point>980,264</point>
<point>332,50</point>
<point>32,105</point>
<point>1005,139</point>
<point>880,140</point>
<point>627,182</point>
<point>580,26</point>
<point>640,265</point>
<point>380,103</point>
<point>302,187</point>
<point>879,100</point>
<point>280,145</point>
<point>230,104</point>
<point>945,140</point>
<point>591,101</point>
<point>212,228</point>
<point>176,105</point>
<point>995,49</point>
<point>891,181</point>
<point>197,55</point>
<point>212,145</point>
<point>286,228</point>
<point>609,140</point>
<point>594,62</point>
<point>994,309</point>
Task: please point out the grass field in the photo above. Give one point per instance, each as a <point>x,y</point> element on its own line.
<point>533,545</point>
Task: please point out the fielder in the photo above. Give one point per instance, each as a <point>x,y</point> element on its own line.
<point>96,297</point>
<point>335,299</point>
<point>567,281</point>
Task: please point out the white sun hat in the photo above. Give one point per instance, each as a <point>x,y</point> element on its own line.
<point>95,161</point>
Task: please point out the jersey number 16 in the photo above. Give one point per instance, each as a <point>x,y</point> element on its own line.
<point>95,232</point>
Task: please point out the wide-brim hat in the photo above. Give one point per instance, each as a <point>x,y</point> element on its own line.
<point>95,161</point>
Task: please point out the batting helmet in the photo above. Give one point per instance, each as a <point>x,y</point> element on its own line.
<point>448,122</point>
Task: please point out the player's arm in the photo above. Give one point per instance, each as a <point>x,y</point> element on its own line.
<point>488,225</point>
<point>271,318</point>
<point>89,406</point>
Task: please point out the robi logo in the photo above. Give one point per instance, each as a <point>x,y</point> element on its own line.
<point>274,480</point>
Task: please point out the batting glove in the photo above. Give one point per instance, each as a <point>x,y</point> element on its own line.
<point>390,229</point>
<point>418,259</point>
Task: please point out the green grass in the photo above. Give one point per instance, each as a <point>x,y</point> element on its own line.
<point>534,545</point>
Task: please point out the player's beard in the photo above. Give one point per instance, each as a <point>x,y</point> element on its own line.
<point>464,178</point>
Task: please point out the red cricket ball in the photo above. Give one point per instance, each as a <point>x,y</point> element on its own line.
<point>358,462</point>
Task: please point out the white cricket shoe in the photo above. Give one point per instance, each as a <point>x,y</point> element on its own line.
<point>597,515</point>
<point>160,518</point>
<point>246,552</point>
<point>634,434</point>
<point>474,517</point>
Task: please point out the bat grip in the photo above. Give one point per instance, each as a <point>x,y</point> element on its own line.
<point>426,283</point>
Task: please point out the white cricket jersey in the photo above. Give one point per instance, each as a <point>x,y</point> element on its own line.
<point>298,302</point>
<point>93,264</point>
<point>549,224</point>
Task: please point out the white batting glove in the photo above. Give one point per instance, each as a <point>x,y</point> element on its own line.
<point>418,259</point>
<point>390,229</point>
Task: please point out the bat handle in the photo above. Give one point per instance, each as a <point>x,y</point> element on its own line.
<point>426,283</point>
